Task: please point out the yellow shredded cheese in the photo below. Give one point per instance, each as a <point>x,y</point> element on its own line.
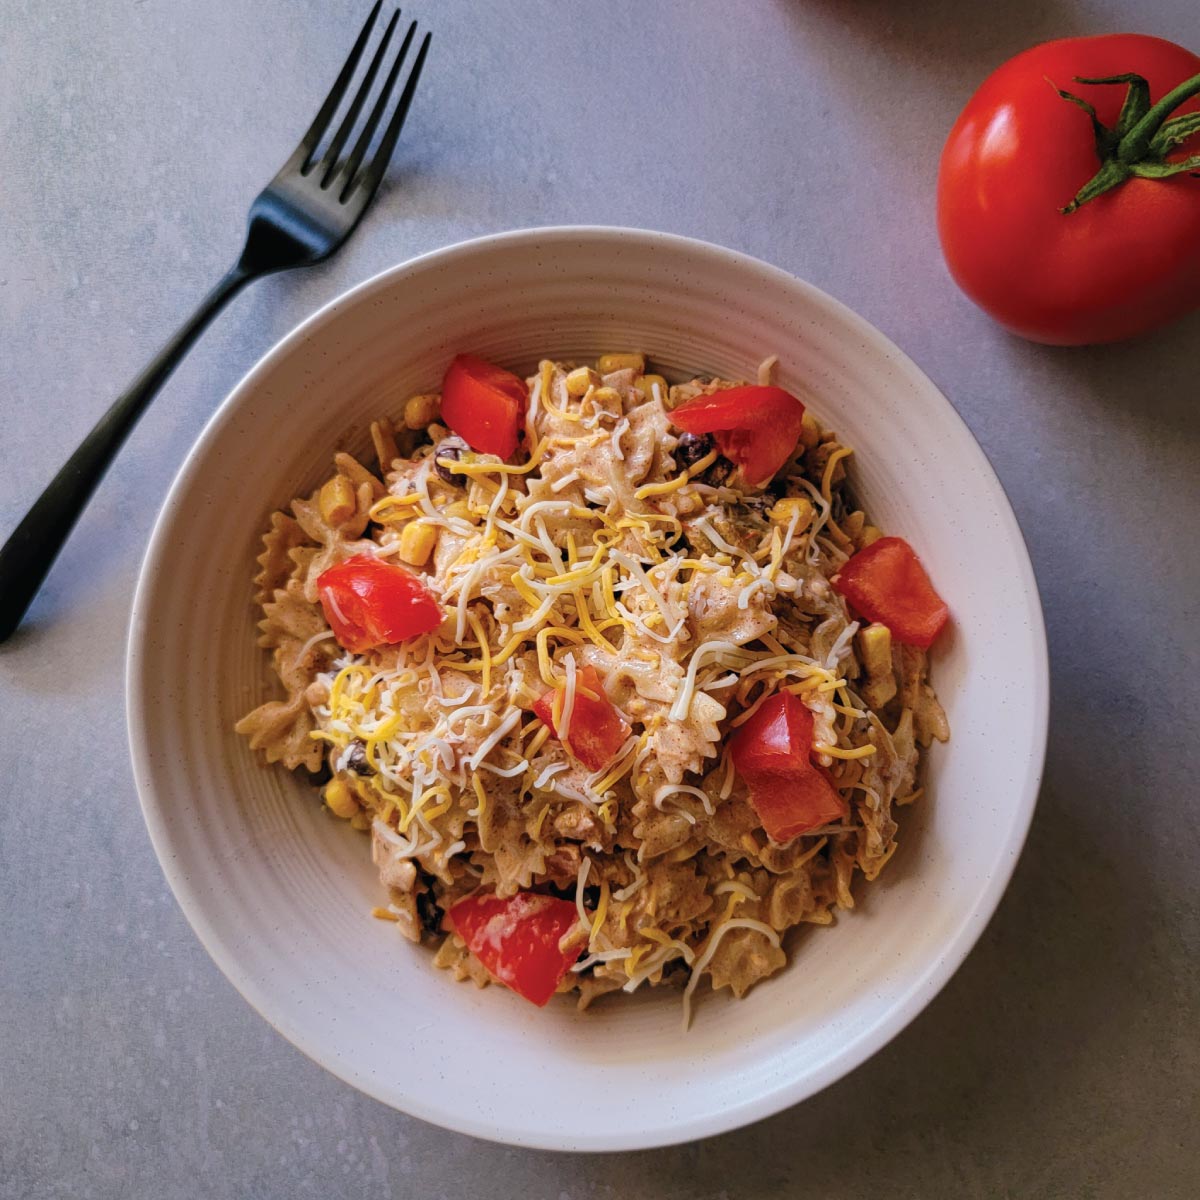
<point>577,567</point>
<point>839,752</point>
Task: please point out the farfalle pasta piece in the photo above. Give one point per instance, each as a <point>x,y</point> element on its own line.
<point>280,729</point>
<point>275,562</point>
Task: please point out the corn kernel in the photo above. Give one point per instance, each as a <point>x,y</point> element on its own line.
<point>870,534</point>
<point>810,431</point>
<point>875,643</point>
<point>646,383</point>
<point>877,692</point>
<point>579,380</point>
<point>852,525</point>
<point>606,395</point>
<point>416,543</point>
<point>339,801</point>
<point>621,362</point>
<point>460,509</point>
<point>784,510</point>
<point>337,502</point>
<point>421,411</point>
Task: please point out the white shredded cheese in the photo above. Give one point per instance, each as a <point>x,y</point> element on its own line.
<point>670,789</point>
<point>840,646</point>
<point>620,429</point>
<point>714,940</point>
<point>548,773</point>
<point>715,648</point>
<point>493,739</point>
<point>580,883</point>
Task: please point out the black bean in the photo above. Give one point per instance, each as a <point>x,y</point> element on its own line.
<point>691,448</point>
<point>321,776</point>
<point>430,912</point>
<point>356,759</point>
<point>719,473</point>
<point>591,896</point>
<point>453,448</point>
<point>751,505</point>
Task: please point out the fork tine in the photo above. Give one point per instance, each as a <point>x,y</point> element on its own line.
<point>364,139</point>
<point>387,145</point>
<point>329,159</point>
<point>308,143</point>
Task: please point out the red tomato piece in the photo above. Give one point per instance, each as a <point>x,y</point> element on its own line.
<point>517,939</point>
<point>777,737</point>
<point>886,582</point>
<point>1126,256</point>
<point>484,404</point>
<point>597,731</point>
<point>756,428</point>
<point>789,804</point>
<point>369,602</point>
<point>772,752</point>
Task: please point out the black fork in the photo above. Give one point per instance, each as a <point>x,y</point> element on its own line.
<point>301,217</point>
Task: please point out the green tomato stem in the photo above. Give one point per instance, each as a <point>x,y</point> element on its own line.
<point>1136,142</point>
<point>1142,150</point>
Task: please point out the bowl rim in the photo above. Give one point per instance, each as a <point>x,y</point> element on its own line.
<point>856,1051</point>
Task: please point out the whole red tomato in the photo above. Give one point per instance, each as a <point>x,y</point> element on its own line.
<point>1125,256</point>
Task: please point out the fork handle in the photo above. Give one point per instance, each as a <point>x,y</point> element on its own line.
<point>30,551</point>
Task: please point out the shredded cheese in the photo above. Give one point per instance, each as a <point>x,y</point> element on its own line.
<point>541,582</point>
<point>714,941</point>
<point>839,752</point>
<point>672,789</point>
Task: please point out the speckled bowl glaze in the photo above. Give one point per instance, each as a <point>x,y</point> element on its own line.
<point>280,893</point>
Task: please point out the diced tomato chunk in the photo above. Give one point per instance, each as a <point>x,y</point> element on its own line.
<point>517,939</point>
<point>794,802</point>
<point>369,602</point>
<point>886,582</point>
<point>596,731</point>
<point>772,752</point>
<point>756,428</point>
<point>778,735</point>
<point>484,404</point>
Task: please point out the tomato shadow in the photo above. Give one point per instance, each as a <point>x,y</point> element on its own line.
<point>943,37</point>
<point>903,71</point>
<point>1140,383</point>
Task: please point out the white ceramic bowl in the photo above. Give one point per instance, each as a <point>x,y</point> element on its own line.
<point>281,894</point>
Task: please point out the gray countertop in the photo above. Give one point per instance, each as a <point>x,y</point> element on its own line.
<point>1062,1059</point>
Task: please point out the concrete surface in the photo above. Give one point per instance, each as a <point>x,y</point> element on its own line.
<point>1062,1061</point>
